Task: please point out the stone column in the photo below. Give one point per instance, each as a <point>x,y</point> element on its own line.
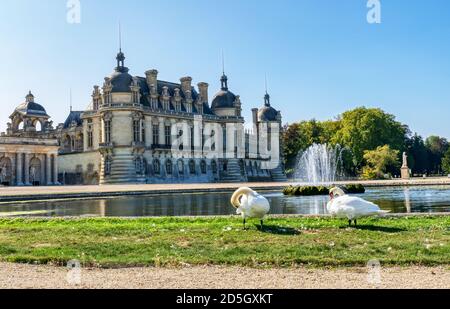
<point>148,131</point>
<point>27,170</point>
<point>162,130</point>
<point>48,169</point>
<point>19,168</point>
<point>55,170</point>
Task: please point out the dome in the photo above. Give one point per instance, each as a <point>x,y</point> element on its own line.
<point>31,108</point>
<point>223,99</point>
<point>121,81</point>
<point>267,112</point>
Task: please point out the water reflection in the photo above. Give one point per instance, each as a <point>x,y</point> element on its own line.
<point>407,200</point>
<point>397,200</point>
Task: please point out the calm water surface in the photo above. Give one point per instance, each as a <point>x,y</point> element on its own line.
<point>397,200</point>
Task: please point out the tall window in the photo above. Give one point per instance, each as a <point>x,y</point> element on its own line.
<point>155,134</point>
<point>192,166</point>
<point>143,133</point>
<point>107,166</point>
<point>136,130</point>
<point>203,166</point>
<point>108,131</point>
<point>192,138</point>
<point>156,167</point>
<point>90,139</point>
<point>168,132</point>
<point>169,167</point>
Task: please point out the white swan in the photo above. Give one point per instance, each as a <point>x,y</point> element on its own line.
<point>342,205</point>
<point>250,204</point>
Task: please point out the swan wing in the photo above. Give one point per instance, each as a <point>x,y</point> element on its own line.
<point>355,207</point>
<point>255,206</point>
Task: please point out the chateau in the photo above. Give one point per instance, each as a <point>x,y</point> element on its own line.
<point>143,130</point>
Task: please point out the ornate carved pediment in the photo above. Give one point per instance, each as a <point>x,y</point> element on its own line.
<point>137,116</point>
<point>107,116</point>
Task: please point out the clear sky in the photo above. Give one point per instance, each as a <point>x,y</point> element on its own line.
<point>321,57</point>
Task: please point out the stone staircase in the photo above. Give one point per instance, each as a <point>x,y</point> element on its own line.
<point>233,173</point>
<point>122,171</point>
<point>278,175</point>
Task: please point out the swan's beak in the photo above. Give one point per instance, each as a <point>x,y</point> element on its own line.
<point>331,196</point>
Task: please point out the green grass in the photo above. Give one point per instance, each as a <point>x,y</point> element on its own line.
<point>221,241</point>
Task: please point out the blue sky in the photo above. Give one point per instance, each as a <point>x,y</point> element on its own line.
<point>321,56</point>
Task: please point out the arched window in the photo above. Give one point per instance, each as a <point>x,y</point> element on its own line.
<point>138,165</point>
<point>37,125</point>
<point>203,166</point>
<point>169,167</point>
<point>156,167</point>
<point>21,126</point>
<point>180,164</point>
<point>192,166</point>
<point>108,166</point>
<point>214,166</point>
<point>35,171</point>
<point>5,171</point>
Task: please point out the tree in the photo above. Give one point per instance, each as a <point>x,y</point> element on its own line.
<point>292,143</point>
<point>298,137</point>
<point>446,162</point>
<point>364,129</point>
<point>417,155</point>
<point>437,147</point>
<point>380,162</point>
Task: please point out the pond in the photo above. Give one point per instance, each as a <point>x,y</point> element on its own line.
<point>396,199</point>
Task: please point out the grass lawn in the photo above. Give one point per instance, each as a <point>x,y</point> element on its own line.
<point>221,241</point>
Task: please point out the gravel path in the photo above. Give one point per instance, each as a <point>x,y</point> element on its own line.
<point>33,276</point>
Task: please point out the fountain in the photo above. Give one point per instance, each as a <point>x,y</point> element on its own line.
<point>319,164</point>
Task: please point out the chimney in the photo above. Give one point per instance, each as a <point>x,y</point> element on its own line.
<point>203,89</point>
<point>186,84</point>
<point>152,79</point>
<point>255,115</point>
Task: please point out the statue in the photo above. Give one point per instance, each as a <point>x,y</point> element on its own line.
<point>405,169</point>
<point>32,174</point>
<point>3,173</point>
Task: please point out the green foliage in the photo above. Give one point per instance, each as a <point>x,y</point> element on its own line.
<point>418,160</point>
<point>364,129</point>
<point>437,147</point>
<point>285,242</point>
<point>355,189</point>
<point>320,190</point>
<point>306,190</point>
<point>299,136</point>
<point>446,162</point>
<point>380,162</point>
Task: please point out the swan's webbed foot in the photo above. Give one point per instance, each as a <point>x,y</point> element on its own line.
<point>350,223</point>
<point>245,228</point>
<point>356,223</point>
<point>262,225</point>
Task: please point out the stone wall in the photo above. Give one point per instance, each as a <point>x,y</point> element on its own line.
<point>79,168</point>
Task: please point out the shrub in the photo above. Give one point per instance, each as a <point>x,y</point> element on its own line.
<point>320,190</point>
<point>355,189</point>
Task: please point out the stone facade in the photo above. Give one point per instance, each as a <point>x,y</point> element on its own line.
<point>144,130</point>
<point>29,148</point>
